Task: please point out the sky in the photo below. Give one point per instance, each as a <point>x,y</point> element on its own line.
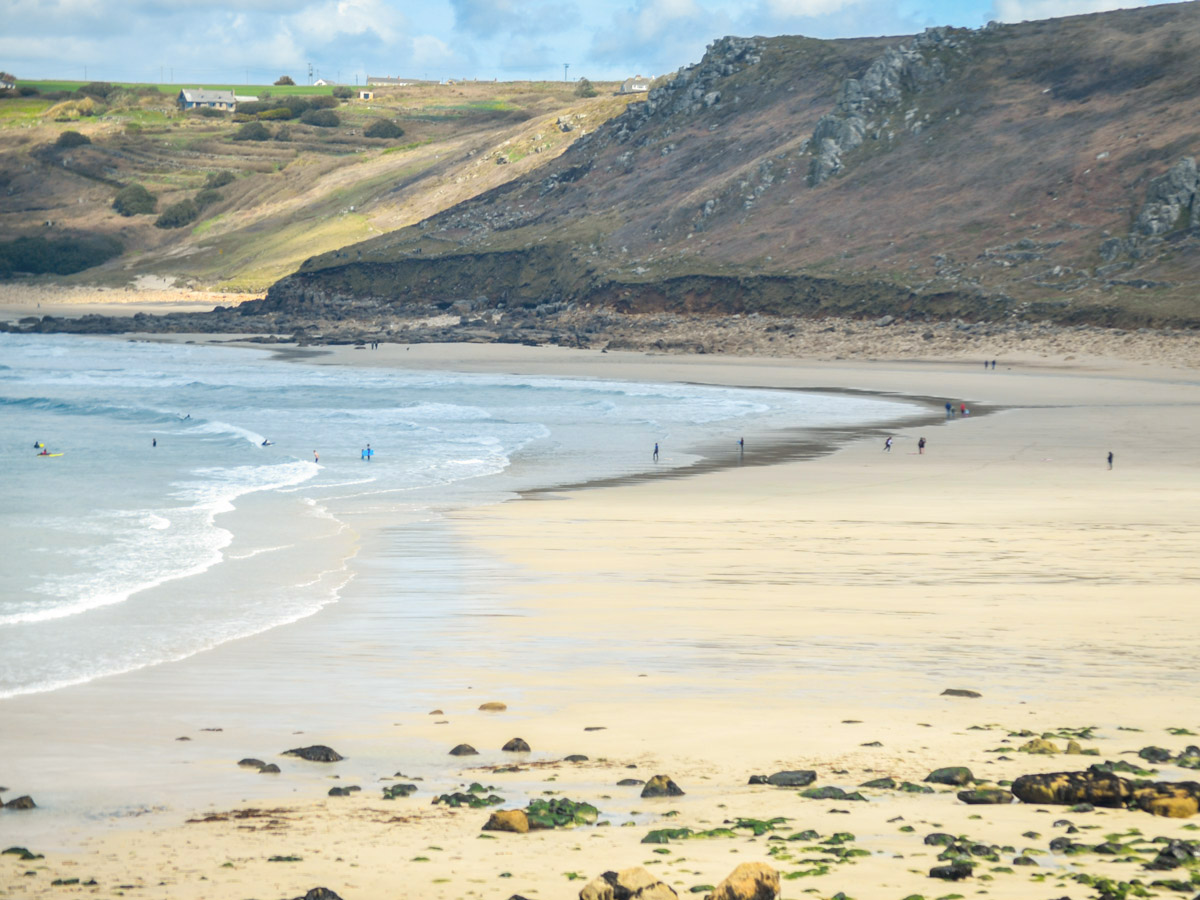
<point>256,41</point>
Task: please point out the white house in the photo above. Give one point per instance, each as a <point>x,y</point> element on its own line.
<point>635,85</point>
<point>190,98</point>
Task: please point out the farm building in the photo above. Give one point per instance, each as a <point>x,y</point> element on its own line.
<point>635,85</point>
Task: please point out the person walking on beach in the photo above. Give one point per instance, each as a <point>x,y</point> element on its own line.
<point>656,451</point>
<point>921,447</point>
<point>1110,460</point>
<point>887,445</point>
<point>949,410</point>
<point>154,443</point>
<point>316,456</point>
<point>741,445</point>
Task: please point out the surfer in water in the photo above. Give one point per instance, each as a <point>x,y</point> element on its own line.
<point>265,443</point>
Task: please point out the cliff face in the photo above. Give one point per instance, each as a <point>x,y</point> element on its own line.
<point>1042,170</point>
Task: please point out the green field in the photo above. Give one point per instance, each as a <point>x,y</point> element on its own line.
<point>172,89</point>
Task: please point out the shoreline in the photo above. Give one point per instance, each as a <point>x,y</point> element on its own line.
<point>765,606</point>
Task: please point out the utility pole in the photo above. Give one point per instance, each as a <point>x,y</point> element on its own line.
<point>565,67</point>
<point>310,73</point>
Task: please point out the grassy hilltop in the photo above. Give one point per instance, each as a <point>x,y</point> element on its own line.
<point>304,190</point>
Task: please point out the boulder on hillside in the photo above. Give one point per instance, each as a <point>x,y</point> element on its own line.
<point>628,884</point>
<point>661,786</point>
<point>315,753</point>
<point>749,881</point>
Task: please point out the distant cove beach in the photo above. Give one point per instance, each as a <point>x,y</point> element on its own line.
<point>802,617</point>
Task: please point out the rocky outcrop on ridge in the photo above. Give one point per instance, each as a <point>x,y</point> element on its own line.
<point>867,106</point>
<point>1171,210</point>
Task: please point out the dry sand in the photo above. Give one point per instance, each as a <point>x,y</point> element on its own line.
<point>758,618</point>
<point>154,296</point>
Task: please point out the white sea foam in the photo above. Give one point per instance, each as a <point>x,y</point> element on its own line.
<point>214,639</point>
<point>88,541</point>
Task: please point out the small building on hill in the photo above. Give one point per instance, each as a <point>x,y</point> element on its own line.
<point>194,98</point>
<point>7,82</point>
<point>366,95</point>
<point>321,82</point>
<point>635,85</point>
<point>389,81</point>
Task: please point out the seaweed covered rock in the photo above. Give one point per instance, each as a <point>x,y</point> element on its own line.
<point>469,799</point>
<point>749,881</point>
<point>1095,787</point>
<point>464,750</point>
<point>953,775</point>
<point>516,745</point>
<point>25,802</point>
<point>1175,800</point>
<point>560,813</point>
<point>400,789</point>
<point>315,753</point>
<point>953,872</point>
<point>661,786</point>
<point>793,778</point>
<point>319,893</point>
<point>985,796</point>
<point>830,793</point>
<point>628,884</point>
<point>1040,746</point>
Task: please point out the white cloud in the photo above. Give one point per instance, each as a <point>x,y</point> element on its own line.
<point>324,22</point>
<point>1029,10</point>
<point>796,9</point>
<point>428,50</point>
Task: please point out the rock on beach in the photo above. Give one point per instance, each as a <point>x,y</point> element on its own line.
<point>315,753</point>
<point>628,884</point>
<point>661,786</point>
<point>749,881</point>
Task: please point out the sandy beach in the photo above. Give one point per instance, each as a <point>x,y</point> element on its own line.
<point>804,615</point>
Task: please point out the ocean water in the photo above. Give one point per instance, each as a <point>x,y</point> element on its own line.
<point>167,527</point>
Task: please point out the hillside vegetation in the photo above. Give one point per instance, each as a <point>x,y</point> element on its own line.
<point>1039,171</point>
<point>237,214</point>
